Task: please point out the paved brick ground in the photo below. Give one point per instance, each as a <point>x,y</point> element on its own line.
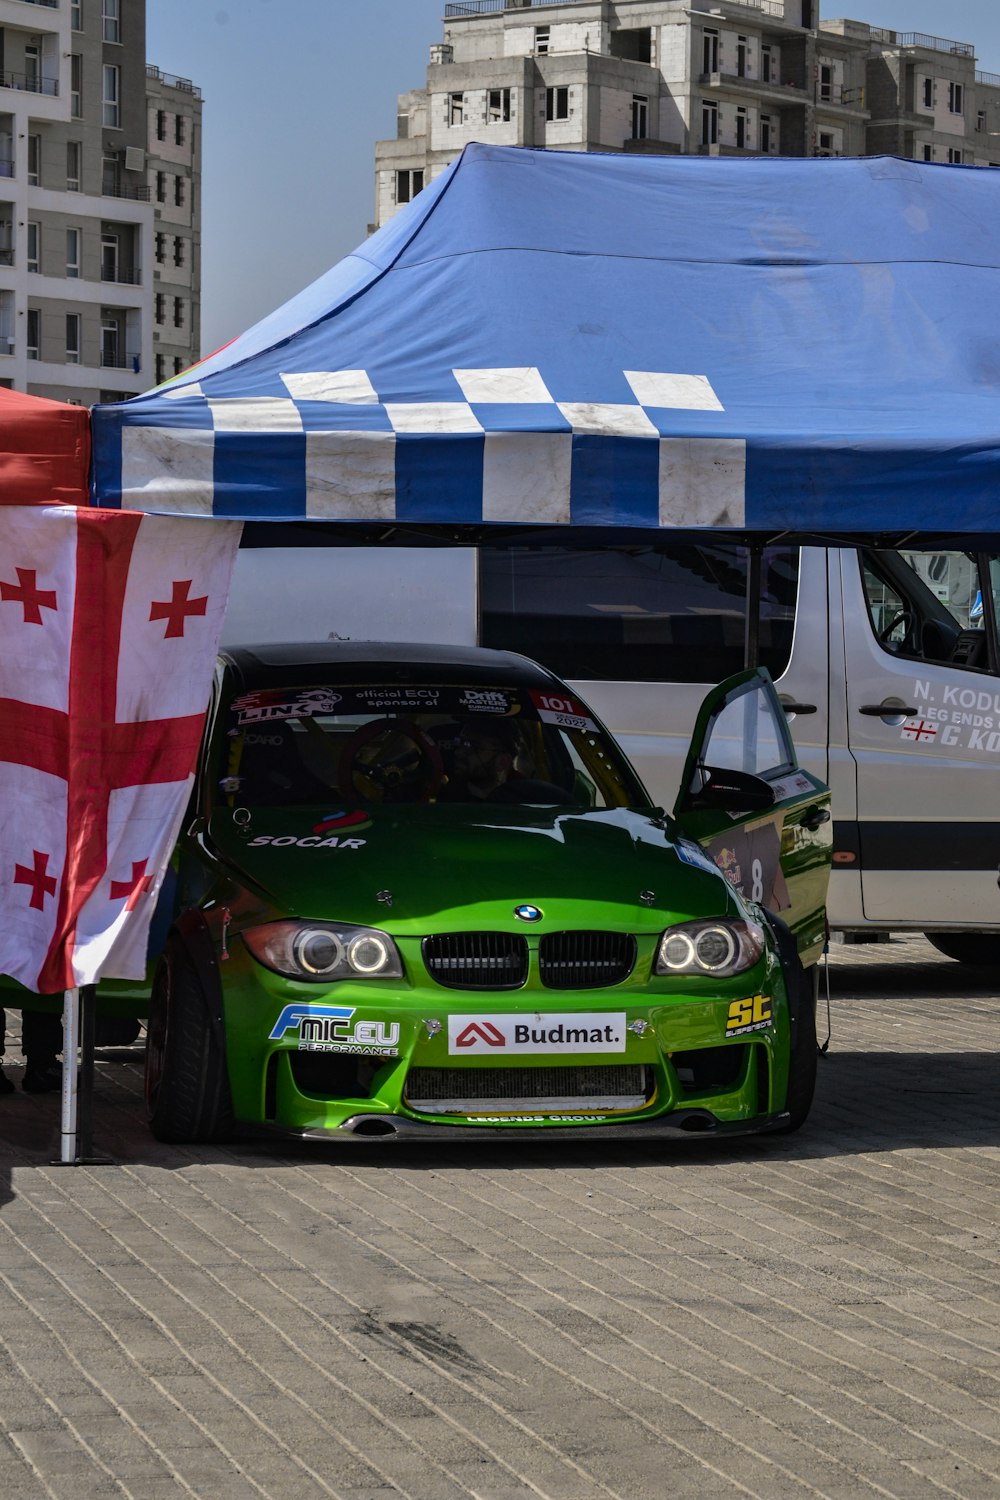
<point>816,1317</point>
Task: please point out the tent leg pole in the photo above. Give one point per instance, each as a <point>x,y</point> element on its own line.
<point>85,1089</point>
<point>751,638</point>
<point>71,1030</point>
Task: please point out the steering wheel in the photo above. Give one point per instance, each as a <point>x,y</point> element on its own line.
<point>403,764</point>
<point>903,617</point>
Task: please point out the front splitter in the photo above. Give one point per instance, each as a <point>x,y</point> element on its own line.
<point>680,1125</point>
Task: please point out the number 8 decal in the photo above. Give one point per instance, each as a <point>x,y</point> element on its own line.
<point>757,881</point>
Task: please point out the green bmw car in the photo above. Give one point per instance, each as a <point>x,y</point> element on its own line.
<point>423,893</point>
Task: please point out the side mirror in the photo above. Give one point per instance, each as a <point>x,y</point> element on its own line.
<point>730,791</point>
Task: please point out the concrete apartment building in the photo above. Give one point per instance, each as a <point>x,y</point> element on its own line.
<point>731,77</point>
<point>79,203</point>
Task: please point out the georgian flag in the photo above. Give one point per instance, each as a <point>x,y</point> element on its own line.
<point>109,623</point>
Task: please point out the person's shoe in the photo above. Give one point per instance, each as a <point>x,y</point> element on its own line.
<point>6,1087</point>
<point>42,1078</point>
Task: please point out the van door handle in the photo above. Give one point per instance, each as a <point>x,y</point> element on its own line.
<point>815,818</point>
<point>891,709</point>
<point>797,708</point>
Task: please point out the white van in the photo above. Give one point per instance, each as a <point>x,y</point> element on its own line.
<point>887,663</point>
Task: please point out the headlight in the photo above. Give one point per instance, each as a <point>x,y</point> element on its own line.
<point>324,951</point>
<point>720,947</point>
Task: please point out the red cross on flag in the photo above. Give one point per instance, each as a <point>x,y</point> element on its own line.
<point>109,623</point>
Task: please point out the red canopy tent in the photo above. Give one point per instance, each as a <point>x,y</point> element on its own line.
<point>44,451</point>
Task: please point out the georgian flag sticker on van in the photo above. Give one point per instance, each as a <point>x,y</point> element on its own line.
<point>559,1031</point>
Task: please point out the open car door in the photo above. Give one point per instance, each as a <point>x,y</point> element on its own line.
<point>762,818</point>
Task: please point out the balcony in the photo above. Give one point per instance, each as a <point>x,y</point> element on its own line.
<point>138,193</point>
<point>770,89</point>
<point>6,166</point>
<point>835,96</point>
<point>887,38</point>
<point>172,81</point>
<point>112,360</point>
<point>992,80</point>
<point>121,276</point>
<point>27,83</point>
<point>6,257</point>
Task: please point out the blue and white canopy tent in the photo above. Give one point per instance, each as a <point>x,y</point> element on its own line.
<point>574,341</point>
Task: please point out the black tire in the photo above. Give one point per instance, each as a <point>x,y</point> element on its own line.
<point>803,1055</point>
<point>188,1098</point>
<point>981,950</point>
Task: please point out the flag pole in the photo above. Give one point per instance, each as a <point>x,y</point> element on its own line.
<point>71,1036</point>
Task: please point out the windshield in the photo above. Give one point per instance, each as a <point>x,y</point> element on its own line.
<point>430,743</point>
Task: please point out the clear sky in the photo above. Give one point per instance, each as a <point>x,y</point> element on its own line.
<point>296,94</point>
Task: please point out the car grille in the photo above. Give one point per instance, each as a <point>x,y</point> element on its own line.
<point>477,960</point>
<point>472,1091</point>
<point>585,960</point>
<point>499,960</point>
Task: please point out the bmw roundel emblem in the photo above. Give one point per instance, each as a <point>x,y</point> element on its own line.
<point>528,913</point>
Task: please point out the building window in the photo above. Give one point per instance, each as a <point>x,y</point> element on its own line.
<point>709,123</point>
<point>160,307</point>
<point>767,68</point>
<point>34,160</point>
<point>111,25</point>
<point>980,121</point>
<point>178,312</point>
<point>76,86</point>
<point>825,82</point>
<point>111,96</point>
<point>73,154</point>
<point>179,192</point>
<point>161,124</point>
<point>161,247</point>
<point>928,95</point>
<point>742,54</point>
<point>955,156</point>
<point>32,68</point>
<point>741,128</point>
<point>498,106</point>
<point>161,187</point>
<point>956,99</point>
<point>76,14</point>
<point>161,369</point>
<point>928,152</point>
<point>557,103</point>
<point>766,133</point>
<point>541,41</point>
<point>178,249</point>
<point>73,253</point>
<point>179,365</point>
<point>825,143</point>
<point>34,333</point>
<point>709,50</point>
<point>178,130</point>
<point>640,117</point>
<point>72,338</point>
<point>34,246</point>
<point>456,109</point>
<point>409,182</point>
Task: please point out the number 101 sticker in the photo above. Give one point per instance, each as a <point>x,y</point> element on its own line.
<point>562,710</point>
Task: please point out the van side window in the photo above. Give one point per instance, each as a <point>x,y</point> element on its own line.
<point>931,606</point>
<point>645,613</point>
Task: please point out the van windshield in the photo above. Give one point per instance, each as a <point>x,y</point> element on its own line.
<point>430,743</point>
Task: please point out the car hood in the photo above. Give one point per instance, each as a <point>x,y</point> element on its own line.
<point>395,867</point>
